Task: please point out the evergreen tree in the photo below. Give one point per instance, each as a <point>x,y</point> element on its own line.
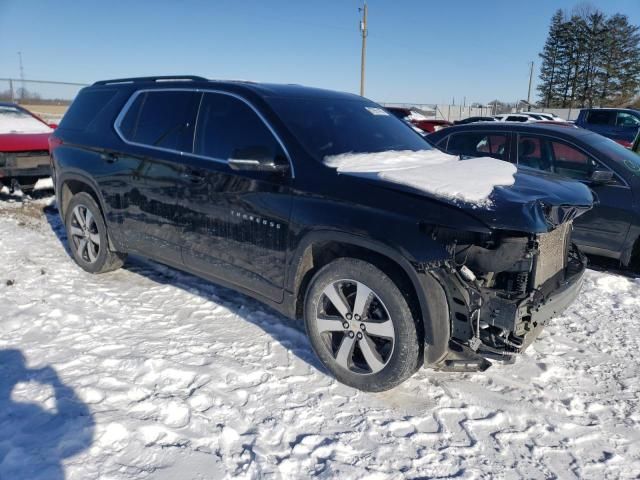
<point>549,75</point>
<point>589,59</point>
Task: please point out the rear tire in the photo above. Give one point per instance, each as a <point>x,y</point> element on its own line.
<point>87,236</point>
<point>361,326</point>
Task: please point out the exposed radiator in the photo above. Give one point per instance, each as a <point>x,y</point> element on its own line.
<point>554,250</point>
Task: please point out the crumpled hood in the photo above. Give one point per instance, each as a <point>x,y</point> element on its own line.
<point>492,191</point>
<point>536,202</point>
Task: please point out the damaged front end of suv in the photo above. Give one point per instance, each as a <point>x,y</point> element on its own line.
<point>503,288</point>
<point>504,285</point>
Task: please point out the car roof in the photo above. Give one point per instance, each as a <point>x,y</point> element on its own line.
<point>559,130</point>
<point>635,110</point>
<point>195,83</point>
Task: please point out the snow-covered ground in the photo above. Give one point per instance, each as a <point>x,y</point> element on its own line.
<point>147,372</point>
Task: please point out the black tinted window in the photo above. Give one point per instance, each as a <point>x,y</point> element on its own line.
<point>85,108</point>
<point>227,125</point>
<point>600,117</point>
<point>478,144</point>
<point>162,119</point>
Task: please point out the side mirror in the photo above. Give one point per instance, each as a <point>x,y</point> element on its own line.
<point>257,159</point>
<point>53,125</point>
<point>601,177</point>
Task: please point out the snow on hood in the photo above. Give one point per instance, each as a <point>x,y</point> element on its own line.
<point>19,122</point>
<point>432,171</point>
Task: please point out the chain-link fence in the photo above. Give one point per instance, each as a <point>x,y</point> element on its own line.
<point>50,99</point>
<point>46,98</point>
<point>446,112</point>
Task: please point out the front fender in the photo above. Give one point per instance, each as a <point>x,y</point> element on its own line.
<point>431,296</point>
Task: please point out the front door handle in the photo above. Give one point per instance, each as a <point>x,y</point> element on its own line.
<point>193,176</point>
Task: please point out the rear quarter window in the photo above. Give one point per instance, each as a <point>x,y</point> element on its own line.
<point>86,108</point>
<point>163,119</point>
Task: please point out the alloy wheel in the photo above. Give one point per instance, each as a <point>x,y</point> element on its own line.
<point>355,326</point>
<point>85,237</point>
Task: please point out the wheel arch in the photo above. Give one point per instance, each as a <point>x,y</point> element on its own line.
<point>424,294</point>
<point>71,184</point>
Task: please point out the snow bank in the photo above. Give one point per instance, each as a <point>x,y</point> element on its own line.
<point>187,380</point>
<point>13,122</point>
<point>432,171</point>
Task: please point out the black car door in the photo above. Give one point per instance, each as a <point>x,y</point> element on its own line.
<point>602,229</point>
<point>158,126</point>
<point>235,221</point>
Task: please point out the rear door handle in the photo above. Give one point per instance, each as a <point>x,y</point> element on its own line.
<point>109,157</point>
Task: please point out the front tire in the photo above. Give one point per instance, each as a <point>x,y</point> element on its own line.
<point>87,236</point>
<point>361,326</point>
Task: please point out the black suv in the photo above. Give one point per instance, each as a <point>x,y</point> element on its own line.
<point>231,181</point>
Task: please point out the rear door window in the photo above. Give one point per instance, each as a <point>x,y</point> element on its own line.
<point>227,124</point>
<point>163,119</point>
<point>478,144</point>
<point>532,152</point>
<point>600,117</point>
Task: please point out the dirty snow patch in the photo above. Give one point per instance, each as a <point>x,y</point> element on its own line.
<point>432,171</point>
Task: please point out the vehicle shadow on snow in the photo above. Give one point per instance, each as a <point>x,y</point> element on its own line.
<point>37,437</point>
<point>289,333</point>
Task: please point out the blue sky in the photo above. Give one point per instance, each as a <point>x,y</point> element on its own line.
<point>418,51</point>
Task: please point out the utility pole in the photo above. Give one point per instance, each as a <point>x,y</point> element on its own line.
<point>21,77</point>
<point>363,31</point>
<point>530,80</point>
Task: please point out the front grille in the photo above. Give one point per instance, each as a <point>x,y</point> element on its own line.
<point>553,250</point>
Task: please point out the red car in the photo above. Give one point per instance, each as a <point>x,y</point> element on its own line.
<point>24,147</point>
<point>418,120</point>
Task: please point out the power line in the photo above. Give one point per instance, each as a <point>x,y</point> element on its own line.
<point>24,80</point>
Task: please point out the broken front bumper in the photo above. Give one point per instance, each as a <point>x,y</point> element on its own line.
<point>557,295</point>
<point>517,321</point>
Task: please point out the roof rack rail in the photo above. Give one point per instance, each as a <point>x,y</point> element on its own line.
<point>193,78</point>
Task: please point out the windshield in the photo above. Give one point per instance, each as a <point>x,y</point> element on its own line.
<point>332,126</point>
<point>619,154</point>
<point>14,120</point>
